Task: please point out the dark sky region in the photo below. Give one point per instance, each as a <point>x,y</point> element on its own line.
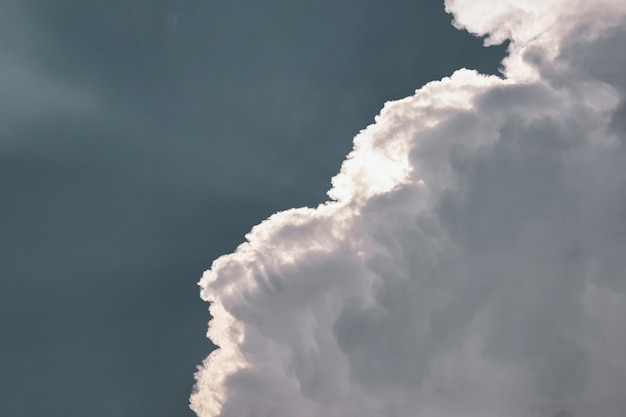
<point>139,140</point>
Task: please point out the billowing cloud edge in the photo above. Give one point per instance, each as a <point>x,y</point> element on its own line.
<point>468,262</point>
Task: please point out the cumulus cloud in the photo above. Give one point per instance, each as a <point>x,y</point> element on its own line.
<point>471,259</point>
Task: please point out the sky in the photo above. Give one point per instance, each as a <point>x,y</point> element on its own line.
<point>469,260</point>
<point>141,140</point>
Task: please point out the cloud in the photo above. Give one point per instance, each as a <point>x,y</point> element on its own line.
<point>470,262</point>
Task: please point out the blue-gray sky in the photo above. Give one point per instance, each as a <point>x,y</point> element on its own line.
<point>139,140</point>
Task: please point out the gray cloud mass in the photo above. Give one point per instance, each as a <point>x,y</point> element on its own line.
<point>470,261</point>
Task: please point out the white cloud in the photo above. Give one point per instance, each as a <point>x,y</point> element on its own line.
<point>471,261</point>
